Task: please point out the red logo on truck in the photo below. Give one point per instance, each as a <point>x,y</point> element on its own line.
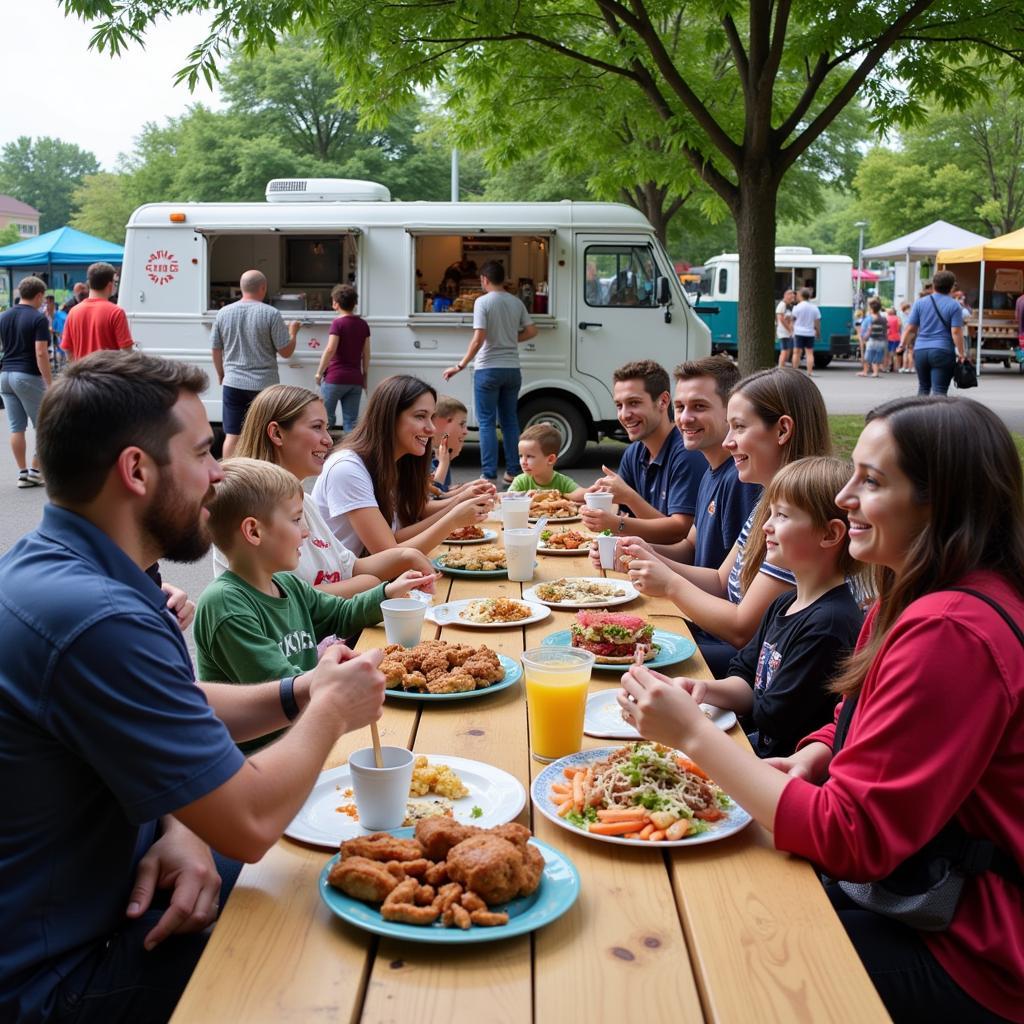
<point>162,266</point>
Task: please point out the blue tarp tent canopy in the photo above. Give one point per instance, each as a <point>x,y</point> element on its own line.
<point>62,254</point>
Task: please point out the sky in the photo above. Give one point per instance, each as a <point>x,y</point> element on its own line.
<point>64,78</point>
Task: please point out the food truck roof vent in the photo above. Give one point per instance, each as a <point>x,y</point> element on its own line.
<point>793,250</point>
<point>326,190</point>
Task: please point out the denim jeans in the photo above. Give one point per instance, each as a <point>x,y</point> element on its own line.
<point>348,395</point>
<point>496,396</point>
<point>22,394</point>
<point>934,370</point>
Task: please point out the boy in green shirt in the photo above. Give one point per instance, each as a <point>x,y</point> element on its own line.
<point>257,620</point>
<point>538,453</point>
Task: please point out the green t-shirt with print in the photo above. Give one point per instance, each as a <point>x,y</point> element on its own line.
<point>559,482</point>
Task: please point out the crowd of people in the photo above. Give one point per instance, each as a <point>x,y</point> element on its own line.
<point>860,618</point>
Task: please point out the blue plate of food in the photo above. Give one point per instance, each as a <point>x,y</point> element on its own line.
<point>479,563</point>
<point>416,673</point>
<point>614,638</point>
<point>511,890</point>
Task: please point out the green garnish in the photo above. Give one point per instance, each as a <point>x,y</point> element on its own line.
<point>606,533</point>
<point>477,812</point>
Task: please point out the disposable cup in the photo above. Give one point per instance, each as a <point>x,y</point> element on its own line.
<point>381,793</point>
<point>603,501</point>
<point>403,620</point>
<point>606,548</point>
<point>515,511</point>
<point>557,679</point>
<point>520,554</point>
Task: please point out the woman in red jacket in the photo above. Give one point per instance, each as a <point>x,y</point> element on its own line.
<point>936,502</point>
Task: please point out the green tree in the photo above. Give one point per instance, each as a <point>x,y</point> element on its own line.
<point>9,235</point>
<point>43,173</point>
<point>740,90</point>
<point>102,204</point>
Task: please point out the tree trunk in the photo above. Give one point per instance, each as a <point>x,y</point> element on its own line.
<point>755,233</point>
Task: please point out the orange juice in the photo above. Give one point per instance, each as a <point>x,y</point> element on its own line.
<point>557,679</point>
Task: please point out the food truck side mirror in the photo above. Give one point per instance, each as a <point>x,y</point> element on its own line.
<point>664,295</point>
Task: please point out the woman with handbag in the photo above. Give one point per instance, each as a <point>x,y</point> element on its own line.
<point>915,793</point>
<point>934,336</point>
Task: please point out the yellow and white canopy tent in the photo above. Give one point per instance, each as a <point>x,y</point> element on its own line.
<point>992,255</point>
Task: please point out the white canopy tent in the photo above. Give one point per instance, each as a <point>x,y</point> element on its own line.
<point>922,244</point>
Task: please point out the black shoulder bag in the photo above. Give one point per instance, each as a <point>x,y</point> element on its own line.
<point>964,374</point>
<point>923,892</point>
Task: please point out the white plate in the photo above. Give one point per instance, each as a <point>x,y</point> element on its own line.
<point>542,549</point>
<point>448,615</point>
<point>736,817</point>
<point>499,795</point>
<point>489,535</point>
<point>631,594</point>
<point>604,717</point>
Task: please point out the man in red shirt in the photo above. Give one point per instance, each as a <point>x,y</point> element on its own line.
<point>96,323</point>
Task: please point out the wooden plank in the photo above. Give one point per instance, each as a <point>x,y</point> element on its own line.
<point>412,982</point>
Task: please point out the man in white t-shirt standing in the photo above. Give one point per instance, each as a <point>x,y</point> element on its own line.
<point>784,326</point>
<point>806,329</point>
<point>500,324</point>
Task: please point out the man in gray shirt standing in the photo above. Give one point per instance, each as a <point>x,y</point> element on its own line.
<point>246,340</point>
<point>500,323</point>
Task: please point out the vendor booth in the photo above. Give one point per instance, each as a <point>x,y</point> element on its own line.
<point>59,257</point>
<point>991,274</point>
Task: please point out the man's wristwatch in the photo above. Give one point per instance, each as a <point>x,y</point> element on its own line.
<point>289,705</point>
<point>622,523</point>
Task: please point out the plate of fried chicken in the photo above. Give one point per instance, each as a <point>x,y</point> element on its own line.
<point>445,882</point>
<point>439,670</point>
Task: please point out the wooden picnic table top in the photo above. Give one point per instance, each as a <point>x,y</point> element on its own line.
<point>732,931</point>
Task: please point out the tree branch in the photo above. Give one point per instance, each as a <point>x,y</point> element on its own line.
<point>739,55</point>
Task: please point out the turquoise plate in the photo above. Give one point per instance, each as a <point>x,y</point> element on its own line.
<point>559,887</point>
<point>472,574</point>
<point>674,648</point>
<point>513,673</point>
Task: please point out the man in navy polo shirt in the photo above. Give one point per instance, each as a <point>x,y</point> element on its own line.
<point>117,771</point>
<point>658,478</point>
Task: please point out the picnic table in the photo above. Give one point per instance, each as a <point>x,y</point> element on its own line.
<point>731,931</point>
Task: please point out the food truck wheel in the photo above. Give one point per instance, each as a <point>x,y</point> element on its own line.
<point>822,359</point>
<point>566,417</point>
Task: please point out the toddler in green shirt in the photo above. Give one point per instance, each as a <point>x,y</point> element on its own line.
<point>257,621</point>
<point>538,453</point>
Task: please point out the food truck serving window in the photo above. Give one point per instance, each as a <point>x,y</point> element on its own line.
<point>301,268</point>
<point>448,269</point>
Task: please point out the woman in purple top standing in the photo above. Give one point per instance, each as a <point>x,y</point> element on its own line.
<point>344,366</point>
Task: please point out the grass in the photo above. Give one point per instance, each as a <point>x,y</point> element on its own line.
<point>846,430</point>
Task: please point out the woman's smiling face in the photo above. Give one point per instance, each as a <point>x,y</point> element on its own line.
<point>756,447</point>
<point>415,427</point>
<point>303,447</point>
<point>885,515</point>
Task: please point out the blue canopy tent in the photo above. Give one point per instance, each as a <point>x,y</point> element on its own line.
<point>65,251</point>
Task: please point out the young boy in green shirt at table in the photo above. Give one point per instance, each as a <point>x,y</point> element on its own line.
<point>257,621</point>
<point>538,453</point>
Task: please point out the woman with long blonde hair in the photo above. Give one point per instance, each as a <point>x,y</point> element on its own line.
<point>775,417</point>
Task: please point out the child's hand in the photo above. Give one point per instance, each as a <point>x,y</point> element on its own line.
<point>412,579</point>
<point>660,709</point>
<point>178,603</point>
<point>696,688</point>
<point>646,572</point>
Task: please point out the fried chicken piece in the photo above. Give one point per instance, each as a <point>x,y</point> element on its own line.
<point>485,669</point>
<point>437,875</point>
<point>451,682</point>
<point>394,673</point>
<point>434,665</point>
<point>456,916</point>
<point>382,847</point>
<point>424,895</point>
<point>410,868</point>
<point>458,654</point>
<point>472,902</point>
<point>489,865</point>
<point>362,879</point>
<point>415,682</point>
<point>516,834</point>
<point>436,836</point>
<point>408,913</point>
<point>488,918</point>
<point>446,896</point>
<point>533,868</point>
<point>404,892</point>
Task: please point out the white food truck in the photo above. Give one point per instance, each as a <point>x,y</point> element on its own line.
<point>593,276</point>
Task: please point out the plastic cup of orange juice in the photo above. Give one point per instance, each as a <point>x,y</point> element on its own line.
<point>557,679</point>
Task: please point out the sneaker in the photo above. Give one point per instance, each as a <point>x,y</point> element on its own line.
<point>23,480</point>
<point>36,478</point>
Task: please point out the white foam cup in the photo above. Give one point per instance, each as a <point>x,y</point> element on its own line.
<point>403,620</point>
<point>606,548</point>
<point>381,793</point>
<point>515,511</point>
<point>520,553</point>
<point>603,501</point>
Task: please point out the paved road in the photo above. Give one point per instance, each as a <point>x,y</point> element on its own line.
<point>844,391</point>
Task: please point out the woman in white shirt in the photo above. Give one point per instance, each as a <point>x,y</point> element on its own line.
<point>287,425</point>
<point>373,491</point>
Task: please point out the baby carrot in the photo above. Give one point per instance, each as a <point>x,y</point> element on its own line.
<point>631,835</point>
<point>559,788</point>
<point>656,837</point>
<point>570,772</point>
<point>647,831</point>
<point>620,814</point>
<point>688,766</point>
<point>616,828</point>
<point>577,791</point>
<point>564,809</point>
